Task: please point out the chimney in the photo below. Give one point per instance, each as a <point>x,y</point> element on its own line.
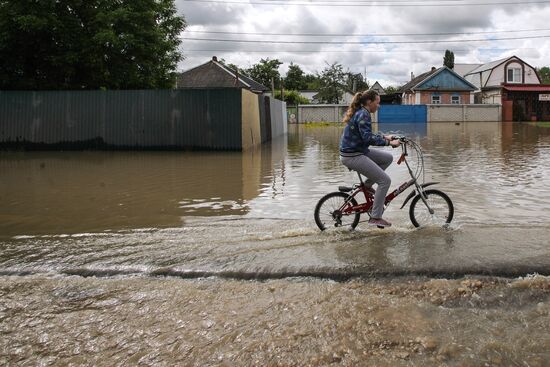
<point>214,58</point>
<point>433,68</point>
<point>412,75</point>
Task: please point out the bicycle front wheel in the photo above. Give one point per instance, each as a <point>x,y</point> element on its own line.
<point>439,202</point>
<point>328,212</point>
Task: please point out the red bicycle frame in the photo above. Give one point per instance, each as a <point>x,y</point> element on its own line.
<point>347,208</point>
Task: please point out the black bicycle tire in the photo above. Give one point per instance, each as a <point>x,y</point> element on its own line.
<point>427,193</point>
<point>325,198</point>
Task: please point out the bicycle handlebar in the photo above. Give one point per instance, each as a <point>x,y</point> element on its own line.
<point>401,138</point>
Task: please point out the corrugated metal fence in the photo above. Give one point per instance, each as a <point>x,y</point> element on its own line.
<point>142,119</point>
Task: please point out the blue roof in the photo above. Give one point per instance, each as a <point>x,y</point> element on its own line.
<point>445,79</point>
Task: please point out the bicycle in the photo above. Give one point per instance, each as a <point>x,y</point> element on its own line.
<point>341,209</point>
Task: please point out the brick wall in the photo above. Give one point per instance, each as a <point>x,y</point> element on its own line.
<point>426,98</point>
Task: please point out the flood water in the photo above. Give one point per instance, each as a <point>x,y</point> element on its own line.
<point>148,257</point>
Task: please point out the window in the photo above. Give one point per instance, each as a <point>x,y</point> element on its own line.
<point>436,99</point>
<point>514,75</point>
<point>455,99</point>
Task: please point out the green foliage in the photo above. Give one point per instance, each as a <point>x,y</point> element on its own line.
<point>89,44</point>
<point>292,97</point>
<point>313,82</point>
<point>449,59</point>
<point>231,66</point>
<point>544,74</point>
<point>392,90</point>
<point>332,84</point>
<point>356,82</point>
<point>264,71</point>
<point>295,78</point>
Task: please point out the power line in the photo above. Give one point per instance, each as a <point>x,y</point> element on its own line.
<point>367,4</point>
<point>363,42</point>
<point>368,34</point>
<point>350,51</point>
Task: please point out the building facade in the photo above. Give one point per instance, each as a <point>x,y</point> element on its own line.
<point>438,86</point>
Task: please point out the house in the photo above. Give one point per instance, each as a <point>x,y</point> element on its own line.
<point>463,69</point>
<point>438,86</point>
<point>514,84</point>
<point>308,94</point>
<point>489,78</point>
<point>346,98</point>
<point>213,74</point>
<point>378,88</point>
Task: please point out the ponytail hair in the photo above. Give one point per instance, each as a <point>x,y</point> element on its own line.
<point>359,99</point>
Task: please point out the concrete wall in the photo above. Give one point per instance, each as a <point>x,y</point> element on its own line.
<point>435,113</point>
<point>321,113</point>
<point>464,113</point>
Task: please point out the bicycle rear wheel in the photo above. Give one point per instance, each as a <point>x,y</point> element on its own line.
<point>328,215</point>
<point>438,201</point>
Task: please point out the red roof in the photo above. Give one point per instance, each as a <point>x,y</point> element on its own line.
<point>528,88</point>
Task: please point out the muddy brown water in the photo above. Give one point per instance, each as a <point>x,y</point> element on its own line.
<point>213,258</point>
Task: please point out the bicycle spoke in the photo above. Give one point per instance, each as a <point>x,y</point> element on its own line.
<point>329,215</point>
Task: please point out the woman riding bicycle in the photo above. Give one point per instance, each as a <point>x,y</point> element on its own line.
<point>356,155</point>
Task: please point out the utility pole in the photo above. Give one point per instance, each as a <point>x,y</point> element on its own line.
<point>282,90</point>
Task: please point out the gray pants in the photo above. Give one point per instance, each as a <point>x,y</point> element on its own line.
<point>373,165</point>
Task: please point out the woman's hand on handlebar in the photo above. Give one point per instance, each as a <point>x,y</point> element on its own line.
<point>393,140</point>
<point>395,143</point>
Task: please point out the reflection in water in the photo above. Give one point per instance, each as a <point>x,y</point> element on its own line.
<point>494,172</point>
<point>71,192</point>
<point>249,216</point>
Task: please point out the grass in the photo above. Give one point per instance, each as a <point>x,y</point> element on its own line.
<point>320,124</point>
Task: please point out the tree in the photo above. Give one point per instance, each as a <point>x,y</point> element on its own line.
<point>292,97</point>
<point>264,71</point>
<point>332,80</point>
<point>392,90</point>
<point>92,44</point>
<point>89,44</point>
<point>449,59</point>
<point>295,78</point>
<point>356,82</point>
<point>231,66</point>
<point>313,81</point>
<point>544,74</point>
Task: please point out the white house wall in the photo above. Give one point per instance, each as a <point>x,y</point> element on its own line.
<point>499,74</point>
<point>492,97</point>
<point>531,75</point>
<point>485,81</point>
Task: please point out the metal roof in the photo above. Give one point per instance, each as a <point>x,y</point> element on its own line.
<point>215,75</point>
<point>463,69</point>
<point>489,66</point>
<point>419,80</point>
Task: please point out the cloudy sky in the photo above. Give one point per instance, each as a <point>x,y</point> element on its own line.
<point>376,36</point>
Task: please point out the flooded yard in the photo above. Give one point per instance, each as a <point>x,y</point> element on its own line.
<point>213,258</point>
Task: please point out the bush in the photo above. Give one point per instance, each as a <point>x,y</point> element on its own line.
<point>292,97</point>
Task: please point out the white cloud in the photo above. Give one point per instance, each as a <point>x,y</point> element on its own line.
<point>391,64</point>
